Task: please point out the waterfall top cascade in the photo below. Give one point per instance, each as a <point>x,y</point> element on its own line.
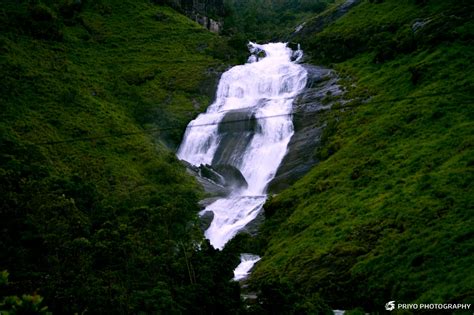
<point>247,127</point>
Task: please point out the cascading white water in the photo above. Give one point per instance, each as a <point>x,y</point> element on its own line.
<point>263,88</point>
<point>246,263</point>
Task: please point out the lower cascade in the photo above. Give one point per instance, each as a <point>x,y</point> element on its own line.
<point>247,128</point>
<point>246,263</point>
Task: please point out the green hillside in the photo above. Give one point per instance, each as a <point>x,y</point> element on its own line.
<point>387,214</point>
<point>97,214</point>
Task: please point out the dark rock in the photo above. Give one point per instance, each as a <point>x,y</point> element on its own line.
<point>238,121</point>
<point>206,220</point>
<point>237,129</point>
<point>219,180</point>
<point>212,188</point>
<point>208,172</point>
<point>253,226</point>
<point>233,177</point>
<point>320,94</point>
<point>224,175</point>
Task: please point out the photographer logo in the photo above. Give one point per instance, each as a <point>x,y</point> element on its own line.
<point>390,306</point>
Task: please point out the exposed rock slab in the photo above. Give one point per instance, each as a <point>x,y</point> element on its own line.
<point>321,93</point>
<point>237,129</point>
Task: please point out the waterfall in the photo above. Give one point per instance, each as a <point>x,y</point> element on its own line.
<point>246,263</point>
<point>248,128</point>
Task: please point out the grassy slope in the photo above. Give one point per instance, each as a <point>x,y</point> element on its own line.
<point>96,224</point>
<point>128,55</point>
<point>387,215</point>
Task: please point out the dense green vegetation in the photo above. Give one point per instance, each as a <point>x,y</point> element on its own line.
<point>264,20</point>
<point>388,212</point>
<point>107,225</point>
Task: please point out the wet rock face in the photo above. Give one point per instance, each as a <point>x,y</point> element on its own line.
<point>232,176</point>
<point>321,92</point>
<point>224,175</point>
<point>211,187</point>
<point>237,129</point>
<point>217,180</point>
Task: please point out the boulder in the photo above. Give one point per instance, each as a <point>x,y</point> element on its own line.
<point>224,175</point>
<point>212,188</point>
<point>206,220</point>
<point>233,177</point>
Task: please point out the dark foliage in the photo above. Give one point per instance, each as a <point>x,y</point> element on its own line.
<point>106,226</point>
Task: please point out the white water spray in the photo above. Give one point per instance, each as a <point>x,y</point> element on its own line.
<point>264,88</point>
<point>246,263</point>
